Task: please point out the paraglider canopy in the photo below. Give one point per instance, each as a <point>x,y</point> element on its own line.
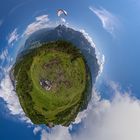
<point>61,12</point>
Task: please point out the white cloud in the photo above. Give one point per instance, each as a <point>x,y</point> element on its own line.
<point>5,58</point>
<point>4,54</point>
<point>14,36</point>
<point>109,21</point>
<point>8,94</point>
<point>57,133</point>
<point>86,35</point>
<point>39,23</point>
<point>100,57</point>
<point>37,129</point>
<point>101,62</point>
<point>118,119</point>
<point>43,135</point>
<point>80,117</point>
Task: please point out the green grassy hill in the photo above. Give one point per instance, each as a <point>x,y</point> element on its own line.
<point>52,83</point>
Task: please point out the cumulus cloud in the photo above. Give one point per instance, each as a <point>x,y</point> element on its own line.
<point>80,117</point>
<point>39,23</point>
<point>13,36</point>
<point>100,57</point>
<point>8,94</point>
<point>117,119</point>
<point>43,135</point>
<point>37,129</point>
<point>57,133</point>
<point>87,36</point>
<point>109,21</point>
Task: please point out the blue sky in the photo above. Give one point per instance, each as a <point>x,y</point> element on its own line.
<point>114,27</point>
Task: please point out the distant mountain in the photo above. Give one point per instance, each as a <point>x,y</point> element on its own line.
<point>62,32</point>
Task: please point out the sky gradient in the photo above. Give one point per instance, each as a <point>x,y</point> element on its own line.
<point>114,28</point>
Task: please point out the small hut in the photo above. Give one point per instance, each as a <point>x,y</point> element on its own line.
<point>46,84</point>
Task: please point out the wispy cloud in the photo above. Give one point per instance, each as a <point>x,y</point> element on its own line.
<point>109,21</point>
<point>101,62</point>
<point>18,6</point>
<point>117,119</point>
<point>39,23</point>
<point>13,36</point>
<point>4,54</point>
<point>5,61</point>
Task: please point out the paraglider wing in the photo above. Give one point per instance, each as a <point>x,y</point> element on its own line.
<point>61,11</point>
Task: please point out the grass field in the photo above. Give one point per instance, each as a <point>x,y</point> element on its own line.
<point>64,67</point>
